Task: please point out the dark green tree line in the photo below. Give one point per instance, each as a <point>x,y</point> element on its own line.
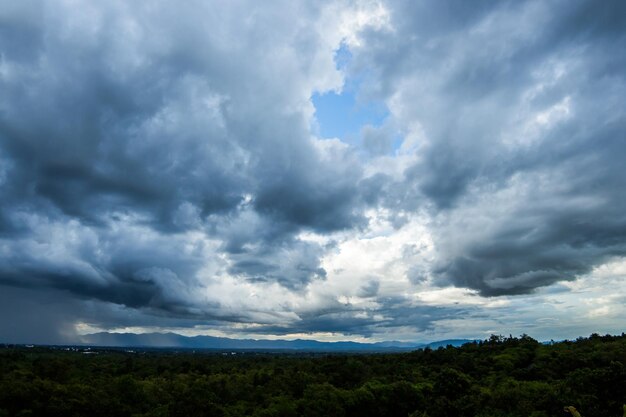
<point>501,376</point>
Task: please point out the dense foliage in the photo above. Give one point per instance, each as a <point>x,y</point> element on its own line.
<point>497,377</point>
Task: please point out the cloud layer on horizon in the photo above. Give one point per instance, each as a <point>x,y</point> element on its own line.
<point>161,167</point>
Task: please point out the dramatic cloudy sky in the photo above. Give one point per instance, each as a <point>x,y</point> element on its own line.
<point>363,170</point>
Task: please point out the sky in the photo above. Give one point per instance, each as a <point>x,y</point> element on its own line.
<point>342,170</point>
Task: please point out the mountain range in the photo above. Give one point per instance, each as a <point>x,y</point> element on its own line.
<point>173,340</point>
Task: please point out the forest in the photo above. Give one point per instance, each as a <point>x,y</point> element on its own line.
<point>498,377</point>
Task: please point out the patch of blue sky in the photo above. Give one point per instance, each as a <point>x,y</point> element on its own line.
<point>343,115</point>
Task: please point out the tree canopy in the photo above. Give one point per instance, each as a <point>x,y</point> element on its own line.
<point>499,377</point>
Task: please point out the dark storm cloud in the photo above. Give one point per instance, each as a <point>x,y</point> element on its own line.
<point>48,316</point>
<point>157,163</point>
<point>119,268</point>
<point>299,264</point>
<point>122,120</point>
<point>37,316</point>
<point>522,108</point>
<point>166,116</point>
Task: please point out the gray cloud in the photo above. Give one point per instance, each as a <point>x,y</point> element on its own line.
<point>377,140</point>
<point>298,264</point>
<point>519,101</point>
<point>394,312</point>
<point>157,164</point>
<point>172,119</point>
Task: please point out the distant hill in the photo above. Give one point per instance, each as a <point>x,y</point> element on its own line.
<point>173,340</point>
<point>444,343</point>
